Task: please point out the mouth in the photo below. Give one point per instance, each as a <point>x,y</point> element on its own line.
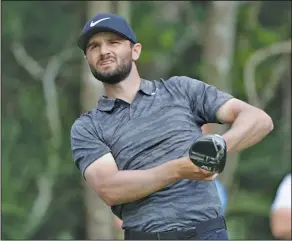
<point>106,62</point>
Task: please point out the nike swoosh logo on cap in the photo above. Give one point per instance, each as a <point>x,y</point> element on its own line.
<point>92,24</point>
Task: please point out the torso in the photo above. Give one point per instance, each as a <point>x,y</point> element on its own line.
<point>154,129</point>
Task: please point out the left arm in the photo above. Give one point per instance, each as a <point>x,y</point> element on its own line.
<point>249,125</point>
<point>211,105</point>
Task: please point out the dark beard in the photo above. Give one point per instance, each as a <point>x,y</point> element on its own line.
<point>114,77</point>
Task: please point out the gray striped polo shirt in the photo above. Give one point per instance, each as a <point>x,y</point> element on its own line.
<point>160,124</point>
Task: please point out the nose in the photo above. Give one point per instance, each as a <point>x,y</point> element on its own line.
<point>104,49</point>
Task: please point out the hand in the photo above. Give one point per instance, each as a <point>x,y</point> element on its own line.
<point>188,170</point>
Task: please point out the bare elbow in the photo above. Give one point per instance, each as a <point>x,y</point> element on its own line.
<point>105,194</point>
<point>265,121</point>
<point>109,200</point>
<point>269,125</point>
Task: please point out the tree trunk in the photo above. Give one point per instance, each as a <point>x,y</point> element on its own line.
<point>172,12</point>
<point>99,218</point>
<point>217,61</point>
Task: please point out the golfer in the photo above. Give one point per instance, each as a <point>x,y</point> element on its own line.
<point>132,148</point>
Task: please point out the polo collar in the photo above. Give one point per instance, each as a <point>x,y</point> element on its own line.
<point>107,104</point>
<point>147,87</point>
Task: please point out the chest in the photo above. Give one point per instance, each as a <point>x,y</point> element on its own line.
<point>150,131</point>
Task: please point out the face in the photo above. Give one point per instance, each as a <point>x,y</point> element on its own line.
<point>110,57</point>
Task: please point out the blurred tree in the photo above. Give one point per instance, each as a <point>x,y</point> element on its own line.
<point>36,147</point>
<point>46,179</point>
<point>263,165</point>
<point>286,119</point>
<point>98,215</point>
<point>217,59</point>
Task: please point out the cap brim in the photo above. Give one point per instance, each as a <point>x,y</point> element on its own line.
<point>84,38</point>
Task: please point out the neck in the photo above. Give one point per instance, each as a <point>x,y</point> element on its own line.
<point>125,90</point>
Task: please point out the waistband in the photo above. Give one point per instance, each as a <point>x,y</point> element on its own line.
<point>202,227</point>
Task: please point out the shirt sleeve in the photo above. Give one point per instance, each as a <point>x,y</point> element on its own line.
<point>205,99</point>
<point>86,144</point>
<point>283,195</point>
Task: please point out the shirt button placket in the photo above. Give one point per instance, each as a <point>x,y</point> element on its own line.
<point>132,109</point>
<point>134,104</point>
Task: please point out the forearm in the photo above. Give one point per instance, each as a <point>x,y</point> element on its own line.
<point>130,185</point>
<point>249,128</point>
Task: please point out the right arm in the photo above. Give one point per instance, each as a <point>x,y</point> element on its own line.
<point>117,187</point>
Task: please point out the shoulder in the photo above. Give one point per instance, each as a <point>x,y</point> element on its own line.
<point>182,81</point>
<point>184,85</point>
<point>84,122</point>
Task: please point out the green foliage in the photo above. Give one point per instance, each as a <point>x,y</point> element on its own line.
<point>25,128</point>
<point>252,36</point>
<point>261,166</point>
<point>266,37</point>
<point>250,202</point>
<point>167,38</point>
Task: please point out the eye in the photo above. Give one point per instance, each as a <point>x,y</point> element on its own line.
<point>94,46</point>
<point>114,42</point>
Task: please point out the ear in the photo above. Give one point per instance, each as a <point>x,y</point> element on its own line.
<point>136,51</point>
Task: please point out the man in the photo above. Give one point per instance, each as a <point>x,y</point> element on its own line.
<point>132,149</point>
<point>281,210</point>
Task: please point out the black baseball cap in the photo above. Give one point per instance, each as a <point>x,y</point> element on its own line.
<point>106,22</point>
